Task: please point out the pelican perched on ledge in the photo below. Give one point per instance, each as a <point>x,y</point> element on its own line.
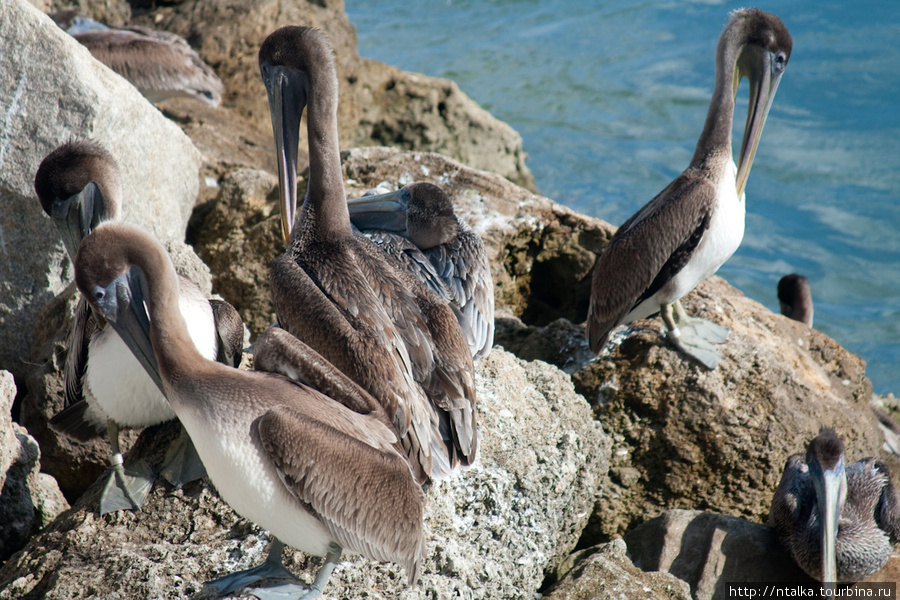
<point>159,64</point>
<point>340,294</point>
<point>418,228</point>
<point>322,469</point>
<point>106,387</point>
<point>684,234</point>
<point>840,523</point>
<point>795,298</point>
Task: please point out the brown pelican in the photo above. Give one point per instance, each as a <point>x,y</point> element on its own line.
<point>839,522</point>
<point>159,64</point>
<point>684,234</point>
<point>340,294</point>
<point>418,228</point>
<point>321,472</point>
<point>795,298</point>
<point>106,387</point>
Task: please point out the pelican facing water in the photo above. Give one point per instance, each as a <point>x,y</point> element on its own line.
<point>684,234</point>
<point>795,298</point>
<point>418,228</point>
<point>106,386</point>
<point>839,522</point>
<point>339,293</point>
<point>322,473</point>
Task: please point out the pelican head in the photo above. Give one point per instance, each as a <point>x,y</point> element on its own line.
<point>421,212</point>
<point>78,187</point>
<point>761,48</point>
<point>117,289</point>
<point>290,61</point>
<point>825,459</point>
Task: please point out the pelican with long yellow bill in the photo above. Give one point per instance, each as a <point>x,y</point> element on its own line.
<point>684,234</point>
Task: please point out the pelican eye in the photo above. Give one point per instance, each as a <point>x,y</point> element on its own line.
<point>780,61</point>
<point>99,293</point>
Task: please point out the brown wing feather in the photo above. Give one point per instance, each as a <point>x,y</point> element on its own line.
<point>641,247</point>
<point>364,494</point>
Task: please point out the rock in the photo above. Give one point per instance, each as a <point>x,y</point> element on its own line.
<point>492,530</point>
<point>710,551</point>
<point>41,65</point>
<point>606,573</point>
<point>28,498</point>
<point>379,104</point>
<point>560,343</point>
<point>76,465</point>
<point>718,440</point>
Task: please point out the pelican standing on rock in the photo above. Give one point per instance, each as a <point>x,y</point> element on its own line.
<point>684,234</point>
<point>320,468</point>
<point>840,523</point>
<point>106,386</point>
<point>795,298</point>
<point>159,64</point>
<point>340,294</point>
<point>418,228</point>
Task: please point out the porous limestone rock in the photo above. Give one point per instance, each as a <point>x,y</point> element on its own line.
<point>492,530</point>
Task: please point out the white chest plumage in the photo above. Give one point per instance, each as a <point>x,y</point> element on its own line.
<point>120,387</point>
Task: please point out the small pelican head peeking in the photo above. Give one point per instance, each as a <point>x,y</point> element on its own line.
<point>839,521</point>
<point>290,68</point>
<point>78,186</point>
<point>684,234</point>
<point>795,298</point>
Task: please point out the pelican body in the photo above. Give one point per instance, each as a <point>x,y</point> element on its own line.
<point>418,228</point>
<point>341,295</point>
<point>107,387</point>
<point>684,234</point>
<point>321,469</point>
<point>839,522</point>
<point>159,64</point>
<point>795,298</point>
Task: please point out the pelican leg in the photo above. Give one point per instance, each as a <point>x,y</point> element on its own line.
<point>182,463</point>
<point>272,568</point>
<point>709,331</point>
<point>127,486</point>
<point>689,342</point>
<point>324,574</point>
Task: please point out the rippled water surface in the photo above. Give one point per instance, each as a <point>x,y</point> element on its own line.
<point>610,98</point>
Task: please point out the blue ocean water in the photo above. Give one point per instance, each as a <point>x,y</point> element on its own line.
<point>610,98</point>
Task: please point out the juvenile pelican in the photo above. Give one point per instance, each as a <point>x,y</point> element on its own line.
<point>795,298</point>
<point>839,522</point>
<point>684,234</point>
<point>106,387</point>
<point>418,228</point>
<point>159,64</point>
<point>340,294</point>
<point>321,472</point>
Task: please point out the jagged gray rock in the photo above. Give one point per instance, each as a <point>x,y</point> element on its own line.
<point>605,572</point>
<point>29,499</point>
<point>51,90</point>
<point>492,530</point>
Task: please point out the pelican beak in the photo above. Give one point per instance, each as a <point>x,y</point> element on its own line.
<point>77,215</point>
<point>386,212</point>
<point>286,89</point>
<point>122,303</point>
<point>763,70</point>
<point>831,491</point>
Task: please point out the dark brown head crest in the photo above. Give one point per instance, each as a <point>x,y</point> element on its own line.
<point>68,169</point>
<point>762,29</point>
<point>826,449</point>
<point>302,48</point>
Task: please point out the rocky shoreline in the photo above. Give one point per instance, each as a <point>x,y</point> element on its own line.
<point>634,475</point>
